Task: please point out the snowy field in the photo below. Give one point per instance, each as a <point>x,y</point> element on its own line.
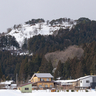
<point>46,93</point>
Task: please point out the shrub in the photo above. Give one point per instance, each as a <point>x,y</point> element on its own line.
<point>86,90</point>
<point>67,90</point>
<point>72,90</point>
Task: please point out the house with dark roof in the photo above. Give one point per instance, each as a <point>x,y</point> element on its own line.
<point>42,81</point>
<point>25,88</point>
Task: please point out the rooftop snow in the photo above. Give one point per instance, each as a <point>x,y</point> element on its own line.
<point>7,82</point>
<point>43,75</point>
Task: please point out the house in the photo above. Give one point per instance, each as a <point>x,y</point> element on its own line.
<point>25,88</point>
<point>79,83</point>
<point>64,84</point>
<point>8,85</point>
<point>85,82</point>
<point>42,81</point>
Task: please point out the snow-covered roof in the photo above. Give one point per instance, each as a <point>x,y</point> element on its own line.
<point>7,82</point>
<point>13,85</point>
<point>85,77</point>
<point>65,82</point>
<point>43,75</point>
<point>24,84</point>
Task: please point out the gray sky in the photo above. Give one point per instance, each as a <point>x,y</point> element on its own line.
<point>18,11</point>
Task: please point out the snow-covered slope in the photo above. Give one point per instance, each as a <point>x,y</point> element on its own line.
<point>27,30</point>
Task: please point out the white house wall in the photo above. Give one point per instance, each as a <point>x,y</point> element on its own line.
<point>83,82</point>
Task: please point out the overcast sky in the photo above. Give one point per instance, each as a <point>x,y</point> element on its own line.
<point>18,11</point>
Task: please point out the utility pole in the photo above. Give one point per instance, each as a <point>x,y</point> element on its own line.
<point>16,78</point>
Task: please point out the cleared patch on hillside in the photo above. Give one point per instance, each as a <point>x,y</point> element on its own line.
<point>70,52</point>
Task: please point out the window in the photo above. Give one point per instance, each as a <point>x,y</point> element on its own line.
<point>40,86</point>
<point>47,79</point>
<point>87,81</point>
<point>26,88</point>
<point>51,86</point>
<point>46,85</point>
<point>41,79</point>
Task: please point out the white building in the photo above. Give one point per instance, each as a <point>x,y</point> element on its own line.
<point>8,84</point>
<point>86,81</point>
<point>82,82</point>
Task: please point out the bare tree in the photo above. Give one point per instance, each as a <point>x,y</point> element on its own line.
<point>47,22</point>
<point>40,26</point>
<point>9,30</point>
<point>35,31</point>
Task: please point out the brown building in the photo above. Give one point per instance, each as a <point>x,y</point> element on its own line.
<point>42,81</point>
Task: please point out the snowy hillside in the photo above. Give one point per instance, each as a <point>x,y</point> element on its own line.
<point>29,30</point>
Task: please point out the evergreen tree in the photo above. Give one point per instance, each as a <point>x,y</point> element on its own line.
<point>0,72</point>
<point>59,70</point>
<point>46,67</point>
<point>66,69</point>
<point>50,67</point>
<point>21,72</point>
<point>43,68</point>
<point>56,74</point>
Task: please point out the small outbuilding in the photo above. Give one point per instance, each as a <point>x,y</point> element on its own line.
<point>8,85</point>
<point>26,88</point>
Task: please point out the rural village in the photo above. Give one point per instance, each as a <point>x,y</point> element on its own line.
<point>43,81</point>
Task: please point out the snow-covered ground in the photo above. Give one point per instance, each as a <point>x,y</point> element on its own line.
<point>46,93</point>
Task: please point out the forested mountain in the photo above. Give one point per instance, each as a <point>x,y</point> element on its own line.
<point>82,35</point>
<point>83,32</point>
